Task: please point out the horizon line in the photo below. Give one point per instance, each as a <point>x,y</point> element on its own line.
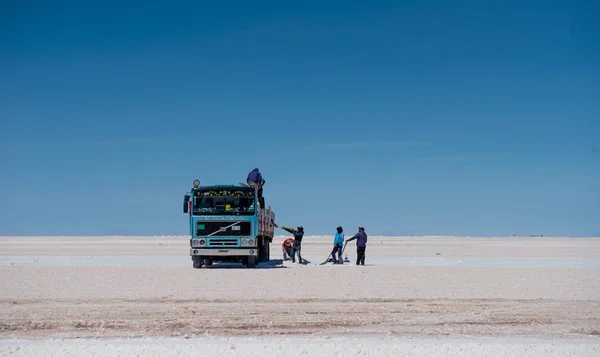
<point>314,235</point>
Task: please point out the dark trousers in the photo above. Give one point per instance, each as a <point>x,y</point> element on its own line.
<point>296,248</point>
<point>287,253</point>
<point>259,192</point>
<point>360,255</point>
<point>337,249</point>
<point>261,199</point>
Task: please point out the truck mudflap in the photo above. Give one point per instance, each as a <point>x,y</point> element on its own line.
<point>224,252</point>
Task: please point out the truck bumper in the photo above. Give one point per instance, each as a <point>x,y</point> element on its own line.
<point>223,252</point>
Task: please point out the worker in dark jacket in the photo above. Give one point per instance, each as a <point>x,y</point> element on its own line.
<point>297,246</point>
<point>361,245</point>
<point>255,179</point>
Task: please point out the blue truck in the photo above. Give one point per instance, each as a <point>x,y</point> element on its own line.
<point>227,225</point>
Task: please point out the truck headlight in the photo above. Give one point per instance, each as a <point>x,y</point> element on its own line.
<point>244,242</point>
<point>202,242</point>
<point>251,242</point>
<point>195,243</point>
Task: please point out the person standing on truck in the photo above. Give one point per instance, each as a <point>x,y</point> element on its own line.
<point>338,244</point>
<point>297,245</point>
<point>255,179</point>
<point>361,245</point>
<point>286,248</point>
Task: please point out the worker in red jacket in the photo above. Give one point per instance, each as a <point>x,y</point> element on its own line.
<point>286,248</point>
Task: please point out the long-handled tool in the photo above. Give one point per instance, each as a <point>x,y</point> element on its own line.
<point>341,260</point>
<point>341,255</point>
<point>327,260</point>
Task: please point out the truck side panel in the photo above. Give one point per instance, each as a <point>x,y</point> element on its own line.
<point>265,222</point>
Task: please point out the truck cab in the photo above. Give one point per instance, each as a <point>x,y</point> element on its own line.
<point>227,225</point>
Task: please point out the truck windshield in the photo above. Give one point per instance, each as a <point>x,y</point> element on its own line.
<point>224,201</point>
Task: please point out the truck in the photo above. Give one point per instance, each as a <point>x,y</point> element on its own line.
<point>227,225</point>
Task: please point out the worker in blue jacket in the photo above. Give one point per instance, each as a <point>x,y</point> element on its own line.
<point>338,243</point>
<point>255,179</point>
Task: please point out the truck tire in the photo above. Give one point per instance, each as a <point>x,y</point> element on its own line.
<point>197,262</point>
<point>252,261</point>
<point>268,250</point>
<point>262,252</point>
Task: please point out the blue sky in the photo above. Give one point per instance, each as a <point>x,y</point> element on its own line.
<point>420,117</point>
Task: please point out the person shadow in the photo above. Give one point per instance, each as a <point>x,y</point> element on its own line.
<point>304,261</point>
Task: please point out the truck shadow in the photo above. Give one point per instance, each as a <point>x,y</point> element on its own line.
<point>271,264</point>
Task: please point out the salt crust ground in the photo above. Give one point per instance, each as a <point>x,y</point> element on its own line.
<point>428,296</point>
<point>293,347</point>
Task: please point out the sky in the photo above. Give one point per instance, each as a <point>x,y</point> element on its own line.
<point>406,117</point>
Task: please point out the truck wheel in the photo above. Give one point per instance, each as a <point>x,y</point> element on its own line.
<point>261,250</point>
<point>197,262</point>
<point>252,261</point>
<point>268,250</point>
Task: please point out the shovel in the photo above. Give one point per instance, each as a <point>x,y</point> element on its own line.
<point>327,260</point>
<point>341,255</point>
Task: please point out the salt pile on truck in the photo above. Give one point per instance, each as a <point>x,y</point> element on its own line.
<point>227,225</point>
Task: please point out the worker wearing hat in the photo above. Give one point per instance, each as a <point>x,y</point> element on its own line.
<point>256,180</point>
<point>361,245</point>
<point>297,245</point>
<point>338,243</point>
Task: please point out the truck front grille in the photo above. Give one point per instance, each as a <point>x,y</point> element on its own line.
<point>223,242</point>
<point>204,228</point>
